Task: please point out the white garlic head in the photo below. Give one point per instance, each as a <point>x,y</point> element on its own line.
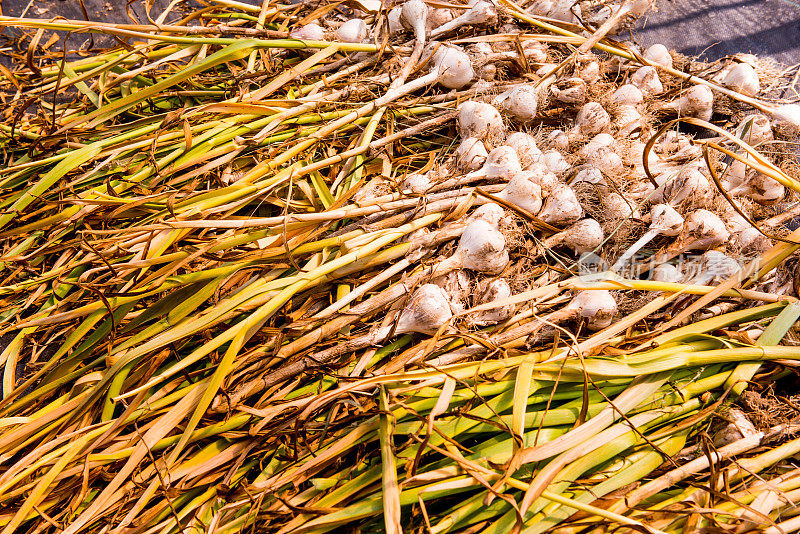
<point>646,78</point>
<point>520,103</point>
<point>598,307</point>
<point>523,192</point>
<point>584,236</point>
<point>309,32</point>
<point>427,310</point>
<point>561,206</point>
<point>570,90</point>
<point>658,54</point>
<point>592,119</point>
<point>666,272</point>
<point>755,130</point>
<point>471,154</point>
<point>703,230</point>
<point>497,290</point>
<point>482,248</point>
<point>666,220</point>
<point>480,120</point>
<point>502,162</point>
<point>453,66</point>
<point>353,31</point>
<point>554,161</point>
<point>744,79</point>
<point>525,146</point>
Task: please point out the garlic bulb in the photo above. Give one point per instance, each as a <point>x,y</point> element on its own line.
<point>589,175</point>
<point>415,184</point>
<point>427,310</point>
<point>760,188</point>
<point>715,267</point>
<point>502,162</point>
<point>481,12</point>
<point>554,161</point>
<point>491,213</point>
<point>617,207</point>
<point>688,186</point>
<point>751,242</point>
<point>607,161</point>
<point>393,17</point>
<point>755,130</point>
<point>592,119</point>
<point>786,120</point>
<point>627,117</point>
<point>309,32</point>
<point>520,103</point>
<point>555,9</point>
<point>703,230</point>
<point>737,427</point>
<point>597,307</point>
<point>597,142</point>
<point>438,17</point>
<point>535,51</point>
<point>666,272</point>
<point>570,90</point>
<point>353,31</point>
<point>696,102</point>
<point>482,248</point>
<point>525,146</point>
<point>523,192</point>
<point>583,236</point>
<point>471,154</point>
<point>664,221</point>
<point>558,140</point>
<point>452,67</point>
<point>480,120</point>
<point>744,79</point>
<point>456,286</point>
<point>497,290</point>
<point>587,68</point>
<point>542,176</point>
<point>646,78</point>
<point>659,55</point>
<point>561,207</point>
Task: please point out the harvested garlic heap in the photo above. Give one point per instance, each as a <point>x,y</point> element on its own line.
<point>561,159</point>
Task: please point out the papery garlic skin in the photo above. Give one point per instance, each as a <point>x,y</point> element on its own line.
<point>570,90</point>
<point>697,102</point>
<point>542,176</point>
<point>428,309</point>
<point>482,248</point>
<point>554,161</point>
<point>703,230</point>
<point>666,272</point>
<point>453,67</point>
<point>415,184</point>
<point>584,236</point>
<point>592,119</point>
<point>502,162</point>
<point>786,120</point>
<point>617,207</point>
<point>755,130</point>
<point>558,140</point>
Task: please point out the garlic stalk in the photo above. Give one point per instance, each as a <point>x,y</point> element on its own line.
<point>583,236</point>
<point>480,120</point>
<point>664,221</point>
<point>519,102</point>
<point>481,12</point>
<point>471,154</point>
<point>561,206</point>
<point>497,290</point>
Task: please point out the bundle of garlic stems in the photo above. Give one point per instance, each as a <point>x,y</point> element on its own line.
<point>447,267</point>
